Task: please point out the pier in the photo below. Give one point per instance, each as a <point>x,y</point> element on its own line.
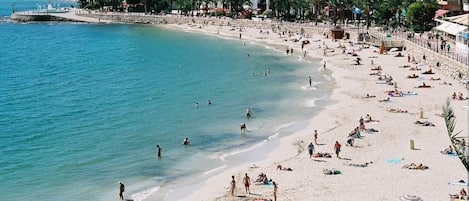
<point>69,15</point>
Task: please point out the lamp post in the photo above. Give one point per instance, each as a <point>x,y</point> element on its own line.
<point>437,38</point>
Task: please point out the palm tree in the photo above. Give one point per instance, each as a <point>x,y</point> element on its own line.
<point>458,143</point>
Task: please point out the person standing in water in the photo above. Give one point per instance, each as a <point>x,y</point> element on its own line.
<point>248,113</point>
<point>121,190</point>
<point>186,141</point>
<point>159,150</point>
<point>243,127</point>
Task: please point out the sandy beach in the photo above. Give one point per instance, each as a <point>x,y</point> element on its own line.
<point>371,169</point>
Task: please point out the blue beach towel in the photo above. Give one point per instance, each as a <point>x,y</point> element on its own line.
<point>459,183</point>
<point>393,160</point>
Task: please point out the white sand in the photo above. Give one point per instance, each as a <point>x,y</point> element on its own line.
<point>380,180</point>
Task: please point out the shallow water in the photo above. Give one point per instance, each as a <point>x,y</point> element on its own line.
<point>83,106</point>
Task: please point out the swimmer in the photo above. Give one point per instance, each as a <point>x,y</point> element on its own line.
<point>186,141</point>
<point>243,127</point>
<point>248,113</point>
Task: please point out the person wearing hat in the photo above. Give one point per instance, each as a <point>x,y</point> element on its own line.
<point>121,190</point>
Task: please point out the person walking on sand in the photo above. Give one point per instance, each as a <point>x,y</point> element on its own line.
<point>275,190</point>
<point>337,146</point>
<point>310,149</point>
<point>121,190</point>
<point>316,137</point>
<point>247,183</point>
<point>233,185</point>
<point>159,150</point>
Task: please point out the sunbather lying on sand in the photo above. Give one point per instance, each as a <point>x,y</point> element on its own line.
<point>377,73</point>
<point>261,199</point>
<point>280,167</point>
<point>424,123</point>
<point>397,110</point>
<point>428,72</point>
<point>371,130</point>
<point>369,119</point>
<point>433,79</point>
<point>377,68</point>
<point>331,171</point>
<point>385,100</point>
<point>322,155</point>
<point>263,180</point>
<point>412,76</point>
<point>414,166</point>
<point>369,96</point>
<point>359,164</point>
<point>461,195</point>
<point>415,68</point>
<point>459,96</point>
<point>446,83</point>
<point>448,150</point>
<point>423,86</point>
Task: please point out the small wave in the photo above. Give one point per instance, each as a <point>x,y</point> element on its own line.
<point>214,169</point>
<point>238,151</point>
<point>144,194</point>
<point>283,126</point>
<point>308,88</point>
<point>275,135</point>
<point>312,102</point>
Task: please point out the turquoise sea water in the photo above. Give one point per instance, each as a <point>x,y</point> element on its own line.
<point>83,106</point>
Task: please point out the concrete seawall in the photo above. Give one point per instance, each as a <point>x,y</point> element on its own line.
<point>24,17</point>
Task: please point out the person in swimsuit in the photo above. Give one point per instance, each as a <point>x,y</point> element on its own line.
<point>247,183</point>
<point>121,190</point>
<point>233,185</point>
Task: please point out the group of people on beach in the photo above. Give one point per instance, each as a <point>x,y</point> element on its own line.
<point>261,180</point>
<point>458,96</point>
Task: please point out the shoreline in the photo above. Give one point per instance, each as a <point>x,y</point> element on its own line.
<point>291,148</point>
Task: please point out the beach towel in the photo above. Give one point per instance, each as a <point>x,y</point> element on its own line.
<point>331,171</point>
<point>410,198</point>
<point>459,183</point>
<point>396,95</point>
<point>407,93</point>
<point>449,153</point>
<point>393,160</point>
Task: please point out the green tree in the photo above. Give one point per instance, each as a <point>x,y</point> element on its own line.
<point>457,142</point>
<point>420,15</point>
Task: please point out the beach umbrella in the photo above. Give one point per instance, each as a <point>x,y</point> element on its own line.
<point>394,49</point>
<point>410,198</point>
